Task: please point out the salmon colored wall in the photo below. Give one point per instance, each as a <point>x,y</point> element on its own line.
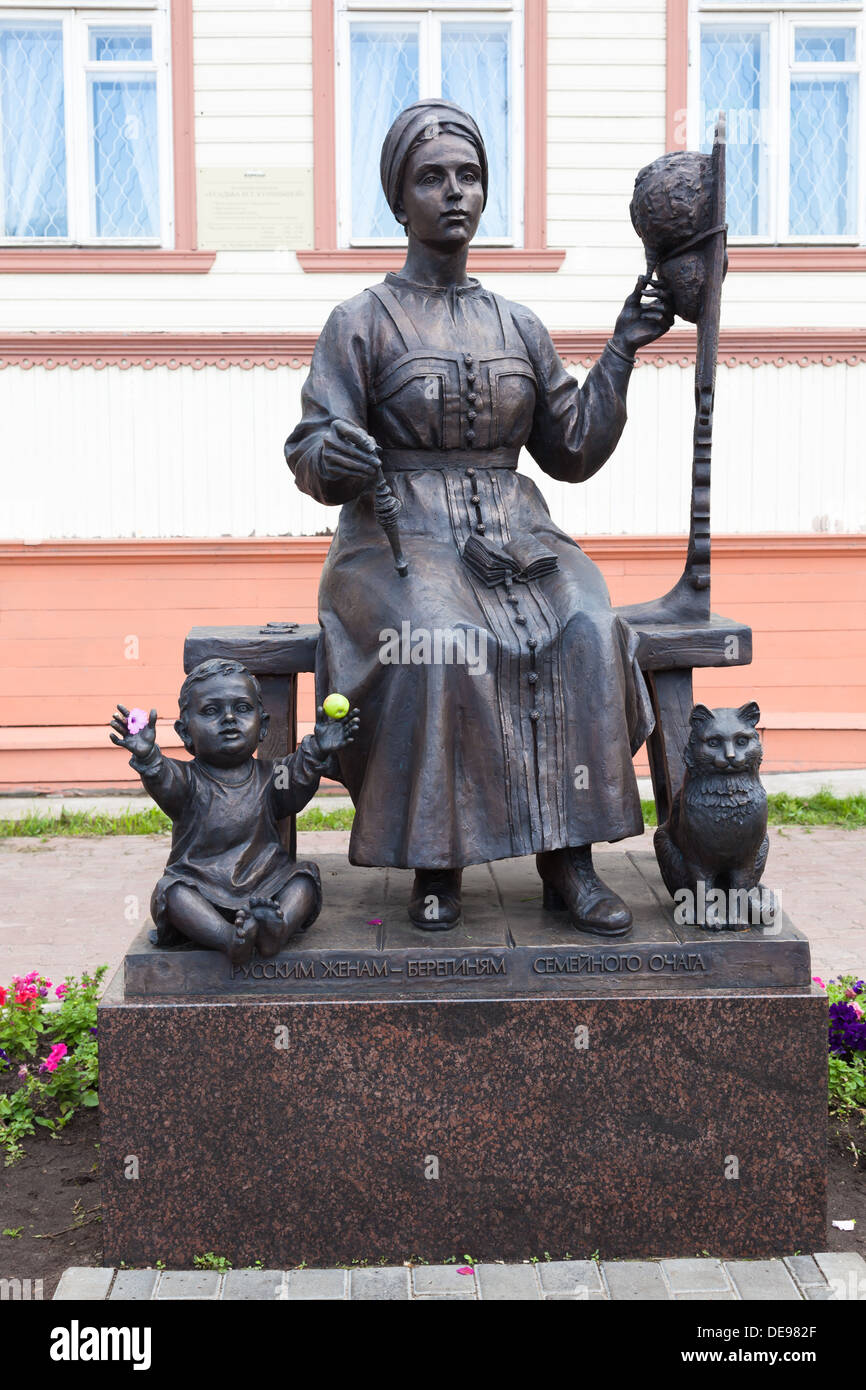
<point>73,612</point>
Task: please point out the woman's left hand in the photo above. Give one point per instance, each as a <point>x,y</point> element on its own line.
<point>646,315</point>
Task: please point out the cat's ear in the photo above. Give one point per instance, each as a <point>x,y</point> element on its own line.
<point>750,713</point>
<point>700,716</point>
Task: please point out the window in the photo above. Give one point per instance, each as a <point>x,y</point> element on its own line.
<point>390,57</point>
<point>85,127</point>
<point>789,78</point>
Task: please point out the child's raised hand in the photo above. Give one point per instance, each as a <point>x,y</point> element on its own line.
<point>140,744</point>
<point>333,734</point>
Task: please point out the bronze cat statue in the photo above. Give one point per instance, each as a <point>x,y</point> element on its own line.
<point>714,844</point>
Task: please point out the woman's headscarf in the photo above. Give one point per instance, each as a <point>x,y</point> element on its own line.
<point>425,120</point>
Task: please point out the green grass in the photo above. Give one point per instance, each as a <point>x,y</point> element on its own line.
<point>823,808</point>
<point>151,821</point>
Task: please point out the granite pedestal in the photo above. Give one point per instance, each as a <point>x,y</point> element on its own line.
<point>504,1090</point>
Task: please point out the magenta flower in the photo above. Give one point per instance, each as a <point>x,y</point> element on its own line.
<point>818,981</point>
<point>136,720</point>
<point>465,1269</point>
<point>61,990</point>
<point>375,922</point>
<point>57,1053</point>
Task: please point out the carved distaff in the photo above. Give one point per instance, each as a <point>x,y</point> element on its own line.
<point>697,567</point>
<point>386,509</point>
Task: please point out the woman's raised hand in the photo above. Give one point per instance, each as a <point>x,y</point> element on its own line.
<point>646,315</point>
<point>349,458</point>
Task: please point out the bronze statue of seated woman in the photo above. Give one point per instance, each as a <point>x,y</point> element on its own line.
<point>529,749</point>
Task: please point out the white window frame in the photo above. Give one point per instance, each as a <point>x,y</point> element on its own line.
<point>781,20</point>
<point>429,17</point>
<point>77,67</point>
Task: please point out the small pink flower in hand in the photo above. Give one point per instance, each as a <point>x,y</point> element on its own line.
<point>136,720</point>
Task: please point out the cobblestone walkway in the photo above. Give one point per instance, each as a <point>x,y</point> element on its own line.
<point>837,1277</point>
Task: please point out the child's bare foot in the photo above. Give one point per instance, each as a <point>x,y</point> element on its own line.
<point>243,938</point>
<point>272,929</point>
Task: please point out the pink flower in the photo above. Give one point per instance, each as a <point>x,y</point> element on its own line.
<point>136,720</point>
<point>818,981</point>
<point>22,1073</point>
<point>2,996</point>
<point>57,1053</point>
<point>466,1269</point>
<point>849,993</point>
<point>858,1011</point>
<point>61,990</point>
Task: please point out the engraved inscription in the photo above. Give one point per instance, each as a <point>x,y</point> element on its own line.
<point>612,962</point>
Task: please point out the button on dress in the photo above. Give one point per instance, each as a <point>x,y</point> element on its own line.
<point>526,744</point>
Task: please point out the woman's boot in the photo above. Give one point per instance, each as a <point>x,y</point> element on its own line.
<point>435,902</point>
<point>571,884</point>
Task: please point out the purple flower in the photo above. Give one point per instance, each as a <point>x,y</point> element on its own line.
<point>94,1031</point>
<point>136,720</point>
<point>42,993</point>
<point>5,1056</point>
<point>847,1031</point>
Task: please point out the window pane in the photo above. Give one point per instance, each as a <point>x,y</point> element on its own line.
<point>475,74</point>
<point>33,131</point>
<point>734,78</point>
<point>131,44</point>
<point>384,67</point>
<point>823,144</point>
<point>825,45</point>
<point>125,157</point>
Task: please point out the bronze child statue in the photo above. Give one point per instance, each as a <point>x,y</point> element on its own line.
<point>715,840</point>
<point>229,883</point>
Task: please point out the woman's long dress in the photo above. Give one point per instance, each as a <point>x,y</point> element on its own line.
<point>527,747</point>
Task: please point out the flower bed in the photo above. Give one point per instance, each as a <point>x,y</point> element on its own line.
<point>847,1044</point>
<point>49,1063</point>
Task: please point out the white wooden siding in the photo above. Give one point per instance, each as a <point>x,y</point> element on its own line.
<point>199,453</point>
<point>121,453</point>
<point>254,105</point>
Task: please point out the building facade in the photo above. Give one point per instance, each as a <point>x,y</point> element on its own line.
<point>190,186</point>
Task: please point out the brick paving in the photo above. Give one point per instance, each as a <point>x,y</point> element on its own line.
<point>798,1279</point>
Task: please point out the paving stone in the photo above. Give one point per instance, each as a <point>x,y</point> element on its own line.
<point>320,1284</point>
<point>445,1298</point>
<point>259,1285</point>
<point>567,1276</point>
<point>575,1298</point>
<point>189,1283</point>
<point>763,1280</point>
<point>639,1279</point>
<point>819,1293</point>
<point>710,1296</point>
<point>695,1276</point>
<point>378,1284</point>
<point>804,1270</point>
<point>137,1284</point>
<point>845,1272</point>
<point>441,1279</point>
<point>79,1282</point>
<point>505,1282</point>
